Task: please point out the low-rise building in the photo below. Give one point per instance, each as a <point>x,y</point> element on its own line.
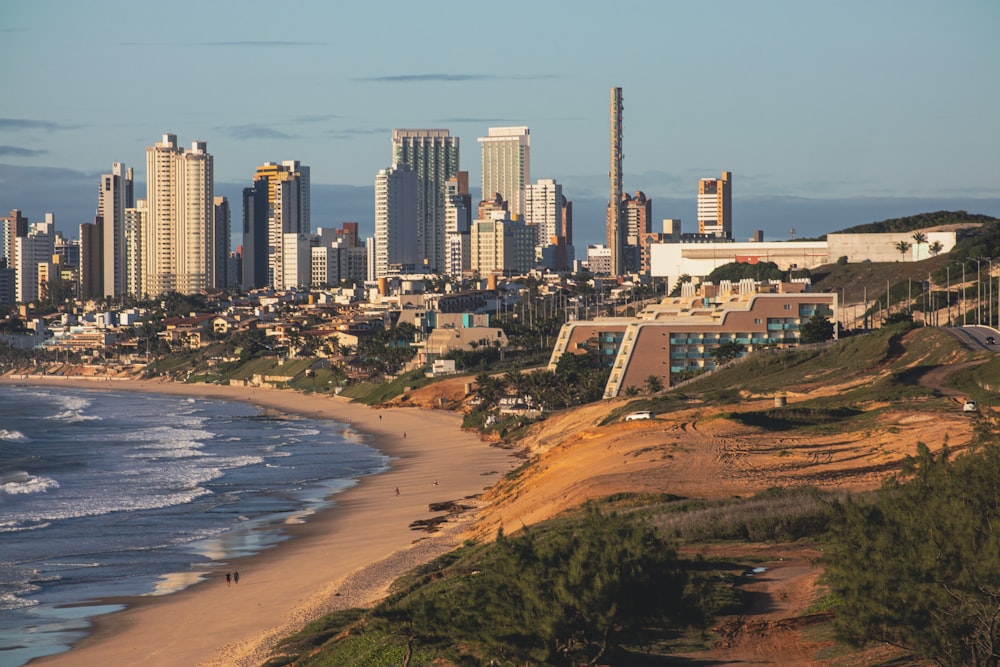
<point>680,335</point>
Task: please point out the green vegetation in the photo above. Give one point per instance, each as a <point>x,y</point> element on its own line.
<point>817,329</point>
<point>573,591</point>
<point>918,565</point>
<point>920,221</point>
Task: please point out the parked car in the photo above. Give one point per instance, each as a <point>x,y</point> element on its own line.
<point>641,414</point>
<point>970,406</point>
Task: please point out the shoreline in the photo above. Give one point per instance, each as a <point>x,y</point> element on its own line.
<point>343,556</point>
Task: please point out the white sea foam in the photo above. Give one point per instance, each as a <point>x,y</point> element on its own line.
<point>10,601</point>
<point>20,482</point>
<point>20,526</point>
<point>13,436</point>
<point>73,417</point>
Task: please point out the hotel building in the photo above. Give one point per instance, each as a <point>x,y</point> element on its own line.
<point>681,334</point>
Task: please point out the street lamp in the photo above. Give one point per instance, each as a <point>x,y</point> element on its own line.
<point>979,292</point>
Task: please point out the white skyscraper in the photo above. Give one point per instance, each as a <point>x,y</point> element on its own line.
<point>507,165</point>
<point>116,195</point>
<point>543,206</point>
<point>433,155</point>
<point>33,262</point>
<point>178,241</point>
<point>396,243</point>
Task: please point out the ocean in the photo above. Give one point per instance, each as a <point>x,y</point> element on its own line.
<point>113,493</point>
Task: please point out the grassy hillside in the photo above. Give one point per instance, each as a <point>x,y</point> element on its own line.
<point>507,601</point>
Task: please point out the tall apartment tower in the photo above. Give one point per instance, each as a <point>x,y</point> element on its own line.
<point>543,207</point>
<point>178,240</point>
<point>33,265</point>
<point>615,229</point>
<point>715,205</point>
<point>507,165</point>
<point>115,194</point>
<point>457,223</point>
<point>223,230</point>
<point>433,155</point>
<point>288,211</point>
<point>11,227</point>
<point>397,193</point>
<point>255,239</point>
<point>135,221</point>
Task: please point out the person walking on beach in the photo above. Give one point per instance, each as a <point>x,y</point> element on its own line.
<point>229,578</point>
<point>236,577</point>
<point>397,490</point>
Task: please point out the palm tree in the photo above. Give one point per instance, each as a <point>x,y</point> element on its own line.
<point>654,384</point>
<point>919,237</point>
<point>903,247</point>
<point>936,248</point>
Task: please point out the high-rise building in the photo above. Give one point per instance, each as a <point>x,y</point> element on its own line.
<point>90,260</point>
<point>715,205</point>
<point>507,165</point>
<point>543,206</point>
<point>135,221</point>
<point>255,238</point>
<point>458,218</point>
<point>433,155</point>
<point>288,211</point>
<point>615,228</point>
<point>116,194</point>
<point>34,259</point>
<point>397,247</point>
<point>178,240</point>
<point>223,225</point>
<point>11,226</point>
<point>500,245</point>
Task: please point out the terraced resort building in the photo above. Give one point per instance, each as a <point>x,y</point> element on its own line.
<point>680,335</point>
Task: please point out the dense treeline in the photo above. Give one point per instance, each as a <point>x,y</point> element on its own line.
<point>918,564</point>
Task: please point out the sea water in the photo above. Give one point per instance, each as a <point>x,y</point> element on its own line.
<point>113,493</point>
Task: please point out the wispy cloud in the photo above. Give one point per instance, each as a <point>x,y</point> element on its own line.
<point>29,124</point>
<point>17,151</point>
<point>248,43</point>
<point>316,118</point>
<point>351,132</point>
<point>254,132</point>
<point>446,78</point>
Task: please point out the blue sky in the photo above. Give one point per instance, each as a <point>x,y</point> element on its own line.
<point>828,101</point>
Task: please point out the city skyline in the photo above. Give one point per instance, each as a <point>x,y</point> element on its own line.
<point>887,101</point>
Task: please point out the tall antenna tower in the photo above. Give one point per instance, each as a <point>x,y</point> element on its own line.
<point>615,233</point>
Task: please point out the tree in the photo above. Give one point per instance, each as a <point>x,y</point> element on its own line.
<point>918,566</point>
<point>564,595</point>
<point>935,248</point>
<point>654,384</point>
<point>919,237</point>
<point>903,247</point>
<point>727,351</point>
<point>816,329</point>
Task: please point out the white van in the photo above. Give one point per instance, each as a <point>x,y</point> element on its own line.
<point>641,414</point>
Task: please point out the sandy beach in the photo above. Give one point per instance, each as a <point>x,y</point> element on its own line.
<point>343,557</point>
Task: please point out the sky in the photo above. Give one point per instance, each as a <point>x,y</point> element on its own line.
<point>828,114</point>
